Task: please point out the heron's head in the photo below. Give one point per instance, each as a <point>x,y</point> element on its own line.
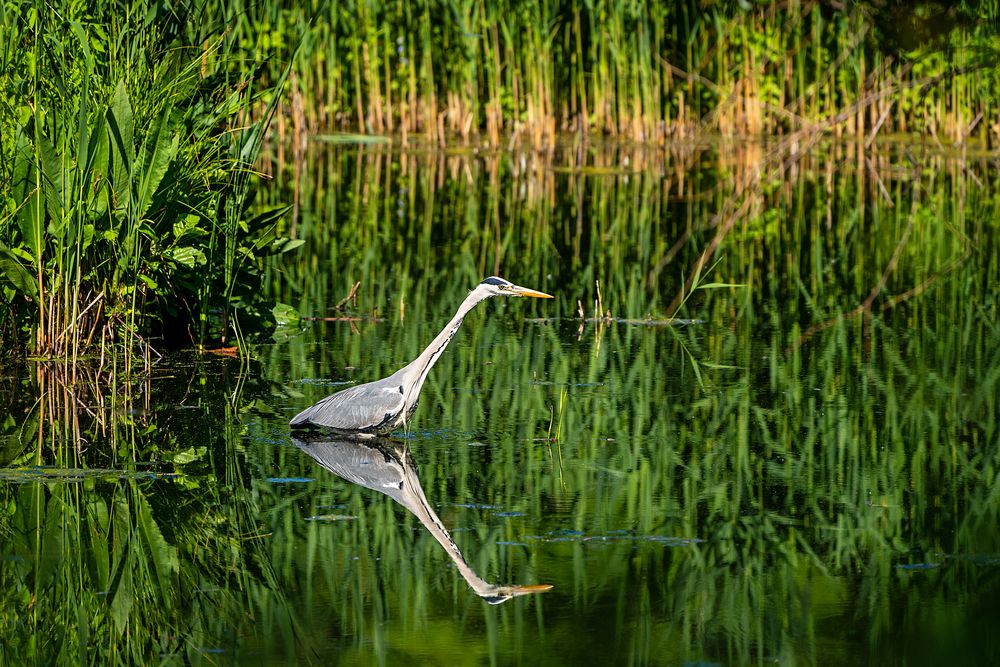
<point>494,286</point>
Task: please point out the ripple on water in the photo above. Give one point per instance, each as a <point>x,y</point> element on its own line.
<point>74,475</point>
<point>569,535</point>
<point>983,560</point>
<point>918,566</point>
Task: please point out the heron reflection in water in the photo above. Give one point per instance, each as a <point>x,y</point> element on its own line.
<point>382,406</point>
<point>380,465</point>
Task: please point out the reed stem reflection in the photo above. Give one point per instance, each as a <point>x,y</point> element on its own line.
<point>384,466</point>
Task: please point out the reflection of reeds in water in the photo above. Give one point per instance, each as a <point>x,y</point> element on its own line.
<point>813,467</point>
<point>78,403</point>
<point>801,460</point>
<point>673,212</point>
<point>120,554</point>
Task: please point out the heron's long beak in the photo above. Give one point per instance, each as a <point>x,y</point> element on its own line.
<point>524,291</point>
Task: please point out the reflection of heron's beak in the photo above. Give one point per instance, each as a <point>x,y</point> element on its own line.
<point>534,588</point>
<point>524,291</point>
<point>500,594</point>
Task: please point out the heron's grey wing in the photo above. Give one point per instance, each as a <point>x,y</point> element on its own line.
<point>361,408</point>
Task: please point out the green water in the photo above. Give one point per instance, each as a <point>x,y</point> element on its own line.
<point>776,476</point>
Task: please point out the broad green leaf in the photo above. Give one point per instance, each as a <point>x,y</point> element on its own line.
<point>120,125</point>
<point>23,254</point>
<point>27,195</point>
<point>285,315</point>
<point>52,178</point>
<point>718,285</point>
<point>188,455</point>
<point>83,140</point>
<point>187,256</point>
<point>15,272</point>
<point>96,174</point>
<point>291,244</point>
<point>160,151</point>
<point>23,162</point>
<point>188,226</point>
<point>266,218</point>
<point>163,554</point>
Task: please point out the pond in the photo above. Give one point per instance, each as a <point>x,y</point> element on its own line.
<point>757,424</point>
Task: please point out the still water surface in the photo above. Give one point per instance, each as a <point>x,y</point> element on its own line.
<point>776,476</point>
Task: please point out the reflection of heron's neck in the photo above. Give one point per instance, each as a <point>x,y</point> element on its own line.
<point>422,364</point>
<point>388,469</point>
<point>412,498</point>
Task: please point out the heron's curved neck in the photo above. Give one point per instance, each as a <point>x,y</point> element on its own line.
<point>422,364</point>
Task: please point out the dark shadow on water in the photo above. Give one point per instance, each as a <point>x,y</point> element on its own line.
<point>382,465</point>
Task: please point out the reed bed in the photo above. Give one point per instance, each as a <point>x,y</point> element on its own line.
<point>496,74</point>
<point>127,171</point>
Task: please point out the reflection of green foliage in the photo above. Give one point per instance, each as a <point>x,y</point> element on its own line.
<point>101,566</point>
<point>823,491</point>
<point>134,562</point>
<point>813,464</point>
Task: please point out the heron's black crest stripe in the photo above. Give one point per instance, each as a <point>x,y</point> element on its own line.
<point>493,280</point>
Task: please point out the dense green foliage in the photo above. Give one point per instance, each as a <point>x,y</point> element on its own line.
<point>125,163</point>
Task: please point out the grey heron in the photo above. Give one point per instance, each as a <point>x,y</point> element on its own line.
<point>382,406</point>
<point>378,464</point>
